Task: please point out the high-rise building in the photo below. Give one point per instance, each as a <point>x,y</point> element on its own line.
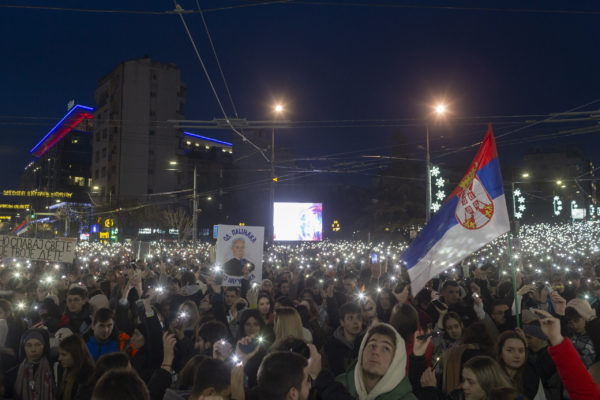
<point>133,142</point>
<point>62,157</point>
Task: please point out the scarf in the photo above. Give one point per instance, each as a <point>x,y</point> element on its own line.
<point>34,381</point>
<point>393,376</point>
<point>67,384</point>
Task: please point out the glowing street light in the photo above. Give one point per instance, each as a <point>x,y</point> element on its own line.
<point>525,175</point>
<point>278,111</point>
<point>440,109</point>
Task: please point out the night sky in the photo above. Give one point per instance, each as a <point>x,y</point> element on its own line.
<point>326,61</point>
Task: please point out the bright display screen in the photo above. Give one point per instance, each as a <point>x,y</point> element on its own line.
<point>298,221</point>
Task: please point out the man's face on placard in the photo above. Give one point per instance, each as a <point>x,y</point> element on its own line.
<point>238,248</point>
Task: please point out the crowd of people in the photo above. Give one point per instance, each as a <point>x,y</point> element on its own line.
<point>326,321</point>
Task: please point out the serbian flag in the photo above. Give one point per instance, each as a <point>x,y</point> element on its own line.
<point>473,215</point>
<point>22,228</point>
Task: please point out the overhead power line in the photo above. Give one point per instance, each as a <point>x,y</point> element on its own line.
<point>179,11</point>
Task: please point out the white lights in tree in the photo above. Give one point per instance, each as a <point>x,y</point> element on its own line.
<point>439,183</point>
<point>557,203</point>
<point>518,203</point>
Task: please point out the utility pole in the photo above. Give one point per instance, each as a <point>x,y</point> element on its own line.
<point>428,172</point>
<point>272,188</point>
<point>195,210</point>
<point>67,219</point>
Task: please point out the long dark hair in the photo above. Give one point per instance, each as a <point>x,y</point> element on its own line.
<point>251,313</point>
<point>76,347</point>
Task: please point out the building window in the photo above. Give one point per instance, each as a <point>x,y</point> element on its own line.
<point>104,152</point>
<point>97,156</point>
<point>153,113</point>
<point>96,174</point>
<point>152,132</point>
<point>77,181</point>
<point>104,133</point>
<point>98,137</point>
<point>103,172</point>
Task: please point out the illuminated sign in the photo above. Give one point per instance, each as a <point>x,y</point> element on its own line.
<point>103,235</point>
<point>150,231</point>
<point>109,222</point>
<point>95,228</point>
<point>35,193</point>
<point>5,217</point>
<point>15,206</point>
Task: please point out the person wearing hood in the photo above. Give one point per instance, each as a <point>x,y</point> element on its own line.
<point>380,371</point>
<point>33,378</point>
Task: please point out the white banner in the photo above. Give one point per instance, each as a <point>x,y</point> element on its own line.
<point>51,250</point>
<point>240,248</point>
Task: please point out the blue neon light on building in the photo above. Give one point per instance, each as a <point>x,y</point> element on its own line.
<point>206,138</point>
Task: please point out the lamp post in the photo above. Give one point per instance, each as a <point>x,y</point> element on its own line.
<point>278,110</point>
<point>440,109</point>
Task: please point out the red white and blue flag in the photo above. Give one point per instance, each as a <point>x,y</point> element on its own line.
<point>22,228</point>
<point>473,215</point>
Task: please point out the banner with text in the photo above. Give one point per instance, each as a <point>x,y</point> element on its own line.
<point>51,250</point>
<point>240,249</point>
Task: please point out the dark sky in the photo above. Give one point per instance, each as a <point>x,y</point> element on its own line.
<point>325,60</point>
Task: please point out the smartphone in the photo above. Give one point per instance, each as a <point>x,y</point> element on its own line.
<point>249,348</point>
<point>374,258</point>
<point>431,334</point>
<point>438,304</point>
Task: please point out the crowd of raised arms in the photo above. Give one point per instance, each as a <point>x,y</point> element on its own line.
<point>325,322</point>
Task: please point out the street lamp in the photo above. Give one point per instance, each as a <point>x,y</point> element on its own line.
<point>440,110</point>
<point>277,111</point>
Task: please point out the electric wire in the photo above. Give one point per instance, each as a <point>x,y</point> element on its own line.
<point>212,46</point>
<point>180,14</point>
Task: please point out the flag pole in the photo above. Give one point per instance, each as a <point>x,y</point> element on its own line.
<point>514,280</point>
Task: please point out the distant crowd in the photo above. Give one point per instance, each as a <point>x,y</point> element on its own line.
<point>325,322</point>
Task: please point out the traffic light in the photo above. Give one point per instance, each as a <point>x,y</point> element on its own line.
<point>32,214</point>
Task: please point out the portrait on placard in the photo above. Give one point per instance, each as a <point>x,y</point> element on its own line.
<point>240,251</point>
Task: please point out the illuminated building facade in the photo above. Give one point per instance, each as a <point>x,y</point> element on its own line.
<point>61,161</point>
<point>133,142</point>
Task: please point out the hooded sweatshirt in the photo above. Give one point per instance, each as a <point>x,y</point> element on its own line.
<point>339,353</point>
<point>394,385</point>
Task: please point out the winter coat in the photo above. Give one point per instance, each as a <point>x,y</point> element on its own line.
<point>577,380</point>
<point>339,353</point>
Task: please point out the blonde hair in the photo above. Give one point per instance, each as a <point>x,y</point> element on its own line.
<point>288,324</point>
<point>489,373</point>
